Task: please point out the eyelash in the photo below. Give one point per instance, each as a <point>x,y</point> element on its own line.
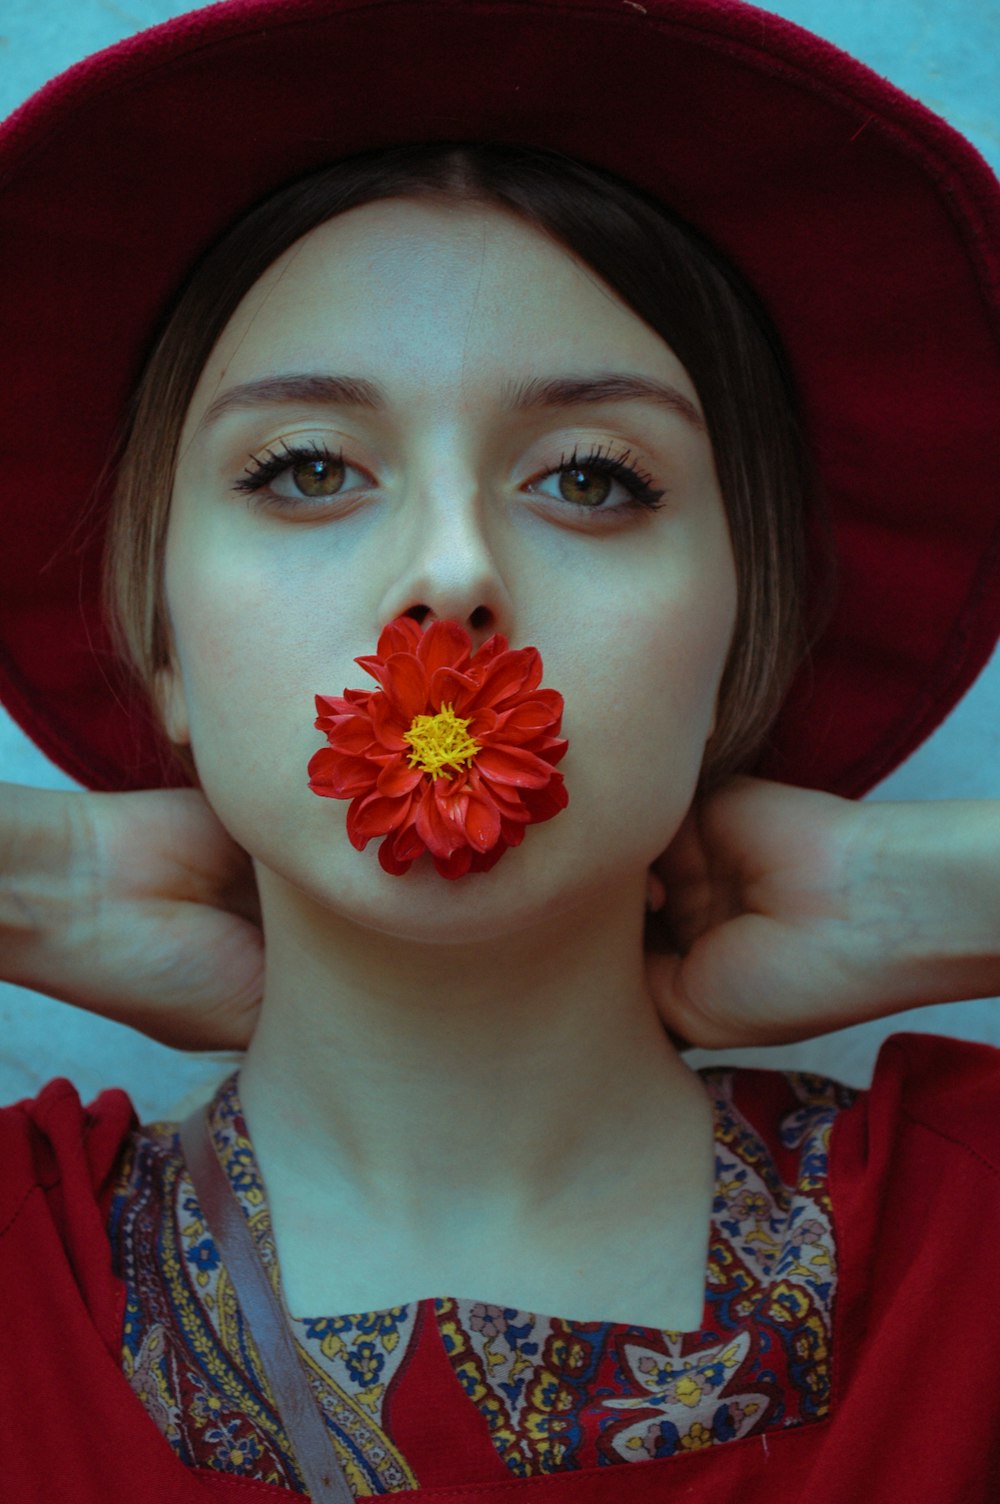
<point>640,486</point>
<point>262,470</point>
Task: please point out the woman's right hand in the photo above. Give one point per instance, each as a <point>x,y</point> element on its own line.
<point>136,906</point>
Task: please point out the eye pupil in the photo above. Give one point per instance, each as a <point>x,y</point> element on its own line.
<point>318,477</point>
<point>572,477</point>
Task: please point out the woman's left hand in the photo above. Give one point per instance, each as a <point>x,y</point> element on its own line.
<point>789,913</point>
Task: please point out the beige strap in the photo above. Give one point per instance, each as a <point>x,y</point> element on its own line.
<point>297,1406</point>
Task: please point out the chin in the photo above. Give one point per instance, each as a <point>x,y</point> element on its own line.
<point>423,905</point>
<point>532,884</point>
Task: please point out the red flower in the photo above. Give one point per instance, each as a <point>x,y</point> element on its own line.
<point>454,755</point>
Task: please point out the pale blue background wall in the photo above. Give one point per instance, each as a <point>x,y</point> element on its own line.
<point>946,55</point>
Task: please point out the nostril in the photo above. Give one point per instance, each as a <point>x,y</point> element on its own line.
<point>478,620</point>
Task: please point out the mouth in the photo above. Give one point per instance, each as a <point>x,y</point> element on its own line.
<point>452,756</point>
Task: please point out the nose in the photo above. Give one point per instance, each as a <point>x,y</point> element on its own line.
<point>450,571</point>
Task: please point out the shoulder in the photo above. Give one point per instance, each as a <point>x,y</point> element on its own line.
<point>55,1144</point>
<point>915,1160</point>
<point>941,1093</point>
<point>924,1086</point>
<point>947,1084</point>
<point>932,1111</point>
<point>58,1162</point>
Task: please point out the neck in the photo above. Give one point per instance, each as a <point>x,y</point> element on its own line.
<point>425,1082</point>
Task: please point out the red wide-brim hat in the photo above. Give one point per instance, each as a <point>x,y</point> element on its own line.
<point>870,229</point>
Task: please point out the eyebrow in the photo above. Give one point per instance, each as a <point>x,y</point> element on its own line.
<point>516,397</point>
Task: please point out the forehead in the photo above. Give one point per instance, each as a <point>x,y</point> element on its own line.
<point>430,291</point>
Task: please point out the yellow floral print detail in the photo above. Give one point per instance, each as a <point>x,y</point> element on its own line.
<point>697,1438</point>
<point>688,1392</point>
<point>787,1304</point>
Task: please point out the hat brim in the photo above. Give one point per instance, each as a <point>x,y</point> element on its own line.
<point>870,229</point>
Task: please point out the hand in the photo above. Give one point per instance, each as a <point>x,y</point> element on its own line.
<point>148,915</point>
<point>789,913</point>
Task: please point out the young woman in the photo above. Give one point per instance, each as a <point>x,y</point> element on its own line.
<point>459,510</point>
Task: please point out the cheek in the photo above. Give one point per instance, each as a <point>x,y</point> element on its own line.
<point>251,663</point>
<point>640,717</point>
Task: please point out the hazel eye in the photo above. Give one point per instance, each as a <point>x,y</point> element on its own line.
<point>574,486</point>
<point>313,477</point>
<point>294,474</point>
<point>588,481</point>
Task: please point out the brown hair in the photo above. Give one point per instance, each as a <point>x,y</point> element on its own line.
<point>659,266</point>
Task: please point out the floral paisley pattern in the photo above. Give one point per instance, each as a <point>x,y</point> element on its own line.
<point>186,1349</point>
<point>555,1394</point>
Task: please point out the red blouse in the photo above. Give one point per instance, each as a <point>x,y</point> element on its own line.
<point>839,1358</point>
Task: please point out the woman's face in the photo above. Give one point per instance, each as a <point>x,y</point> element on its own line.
<point>445,500</point>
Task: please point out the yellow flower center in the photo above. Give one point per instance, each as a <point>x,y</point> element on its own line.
<point>440,741</point>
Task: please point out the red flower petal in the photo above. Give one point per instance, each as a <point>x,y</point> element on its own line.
<point>321,764</point>
<point>449,687</point>
<point>339,777</point>
<point>514,765</point>
<point>405,683</point>
<point>514,814</point>
<point>400,636</point>
<point>528,719</point>
<point>480,807</point>
<point>390,862</point>
<point>508,799</point>
<point>482,724</point>
<point>376,816</point>
<point>505,676</point>
<point>440,824</point>
<point>456,865</point>
<point>400,850</point>
<point>397,778</point>
<point>407,844</point>
<point>388,725</point>
<point>372,665</point>
<point>542,804</point>
<point>443,645</point>
<point>551,750</point>
<point>496,645</point>
<point>482,823</point>
<point>483,861</point>
<point>351,734</point>
<point>329,706</point>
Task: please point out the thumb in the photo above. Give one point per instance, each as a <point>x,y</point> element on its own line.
<point>689,1023</point>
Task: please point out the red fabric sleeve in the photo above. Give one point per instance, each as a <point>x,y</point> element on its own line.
<point>61,1154</point>
<point>915,1184</point>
